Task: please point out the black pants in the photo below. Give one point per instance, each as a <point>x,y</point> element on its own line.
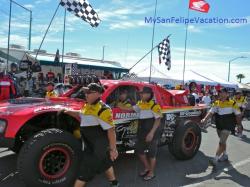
<point>145,126</point>
<point>95,157</point>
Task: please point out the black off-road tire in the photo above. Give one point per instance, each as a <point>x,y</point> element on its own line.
<point>186,141</point>
<point>49,158</point>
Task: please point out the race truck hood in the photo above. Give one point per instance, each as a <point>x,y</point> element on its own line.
<point>13,106</point>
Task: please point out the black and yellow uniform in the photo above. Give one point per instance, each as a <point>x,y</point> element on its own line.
<point>225,112</point>
<point>241,102</point>
<point>125,103</point>
<point>148,112</point>
<point>50,94</point>
<point>96,119</point>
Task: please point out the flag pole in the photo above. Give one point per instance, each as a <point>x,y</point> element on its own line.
<point>64,28</point>
<point>185,51</point>
<point>8,50</point>
<point>152,46</point>
<point>47,31</point>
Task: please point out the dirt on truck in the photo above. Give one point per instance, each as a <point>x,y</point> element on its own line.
<point>47,142</point>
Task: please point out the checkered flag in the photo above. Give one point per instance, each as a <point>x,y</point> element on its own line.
<point>82,9</point>
<point>74,69</point>
<point>164,53</point>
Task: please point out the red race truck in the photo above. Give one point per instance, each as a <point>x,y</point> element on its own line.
<point>49,153</point>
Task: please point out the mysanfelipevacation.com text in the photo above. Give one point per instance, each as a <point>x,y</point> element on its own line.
<point>195,20</point>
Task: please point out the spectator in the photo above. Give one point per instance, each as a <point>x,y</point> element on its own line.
<point>206,99</point>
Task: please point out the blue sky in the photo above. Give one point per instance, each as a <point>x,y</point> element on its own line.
<point>127,37</point>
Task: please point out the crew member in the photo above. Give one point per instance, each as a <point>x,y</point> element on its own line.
<point>98,133</point>
<point>147,137</point>
<point>241,101</point>
<point>12,74</point>
<point>122,100</point>
<point>50,90</point>
<point>225,111</point>
<point>7,87</point>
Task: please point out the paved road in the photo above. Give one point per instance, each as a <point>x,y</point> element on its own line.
<point>170,172</point>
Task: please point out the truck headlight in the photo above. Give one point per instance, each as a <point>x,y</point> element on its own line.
<point>3,125</point>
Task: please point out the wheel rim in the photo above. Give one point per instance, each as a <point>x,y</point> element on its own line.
<point>54,162</point>
<point>189,141</point>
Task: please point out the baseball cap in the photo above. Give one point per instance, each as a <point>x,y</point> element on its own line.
<point>238,92</point>
<point>50,83</point>
<point>93,87</point>
<point>225,90</point>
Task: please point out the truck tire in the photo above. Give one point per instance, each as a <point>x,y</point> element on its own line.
<point>186,141</point>
<point>49,158</point>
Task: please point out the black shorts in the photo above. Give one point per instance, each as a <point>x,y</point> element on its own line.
<point>144,127</point>
<point>95,158</point>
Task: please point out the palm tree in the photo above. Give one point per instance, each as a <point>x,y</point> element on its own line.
<point>240,76</point>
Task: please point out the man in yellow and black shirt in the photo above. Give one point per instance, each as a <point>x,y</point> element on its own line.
<point>98,134</point>
<point>225,111</point>
<point>123,99</point>
<point>241,102</point>
<point>50,90</point>
<point>147,136</point>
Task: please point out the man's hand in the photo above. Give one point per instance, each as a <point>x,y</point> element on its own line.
<point>149,137</point>
<point>113,154</point>
<point>203,120</point>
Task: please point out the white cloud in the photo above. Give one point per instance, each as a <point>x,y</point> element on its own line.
<point>195,29</point>
<point>243,23</point>
<point>128,24</point>
<point>29,6</point>
<point>42,1</point>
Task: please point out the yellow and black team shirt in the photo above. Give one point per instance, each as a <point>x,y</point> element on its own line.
<point>51,94</point>
<point>98,114</point>
<point>241,102</point>
<point>225,107</point>
<point>225,112</point>
<point>125,103</point>
<point>148,110</point>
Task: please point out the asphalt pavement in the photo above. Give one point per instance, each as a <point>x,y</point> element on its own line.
<point>169,172</point>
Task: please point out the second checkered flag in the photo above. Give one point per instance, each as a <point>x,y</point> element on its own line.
<point>164,53</point>
<point>82,9</point>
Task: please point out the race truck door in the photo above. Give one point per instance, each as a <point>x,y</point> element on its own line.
<point>126,121</point>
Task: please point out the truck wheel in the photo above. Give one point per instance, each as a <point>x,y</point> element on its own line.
<point>186,141</point>
<point>49,158</point>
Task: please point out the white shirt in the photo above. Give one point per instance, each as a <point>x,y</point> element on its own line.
<point>206,100</point>
<point>196,97</point>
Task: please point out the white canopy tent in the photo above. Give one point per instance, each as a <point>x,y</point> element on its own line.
<point>218,80</point>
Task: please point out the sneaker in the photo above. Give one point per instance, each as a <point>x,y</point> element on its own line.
<point>223,158</point>
<point>213,162</point>
<point>114,184</point>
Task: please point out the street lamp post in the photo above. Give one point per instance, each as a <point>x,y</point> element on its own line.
<point>229,65</point>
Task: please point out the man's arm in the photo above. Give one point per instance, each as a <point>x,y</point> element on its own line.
<point>209,115</point>
<point>73,113</point>
<point>151,134</point>
<point>112,144</point>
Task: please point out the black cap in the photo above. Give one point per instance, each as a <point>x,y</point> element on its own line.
<point>94,87</point>
<point>238,92</point>
<point>147,90</point>
<point>50,83</point>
